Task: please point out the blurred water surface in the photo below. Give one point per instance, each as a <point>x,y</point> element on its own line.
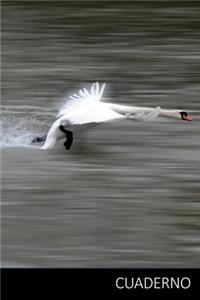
<point>127,194</point>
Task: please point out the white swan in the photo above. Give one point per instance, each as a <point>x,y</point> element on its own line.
<point>86,108</point>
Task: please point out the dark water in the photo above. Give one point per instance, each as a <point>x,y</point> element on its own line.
<point>127,194</point>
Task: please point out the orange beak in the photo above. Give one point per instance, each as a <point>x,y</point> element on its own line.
<point>187,118</point>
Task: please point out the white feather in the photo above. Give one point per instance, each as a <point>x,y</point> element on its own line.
<point>90,114</point>
<point>79,110</point>
<point>85,97</point>
<point>86,108</point>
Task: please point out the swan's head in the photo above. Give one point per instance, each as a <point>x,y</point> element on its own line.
<point>185,116</point>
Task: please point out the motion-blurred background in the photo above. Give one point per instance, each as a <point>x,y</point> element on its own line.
<point>127,194</point>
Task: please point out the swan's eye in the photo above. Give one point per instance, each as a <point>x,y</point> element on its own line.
<point>183,114</point>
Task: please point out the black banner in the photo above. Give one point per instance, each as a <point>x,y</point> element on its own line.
<point>60,283</point>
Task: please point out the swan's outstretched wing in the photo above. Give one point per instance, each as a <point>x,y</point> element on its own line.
<point>84,108</point>
<point>143,116</point>
<point>90,113</point>
<point>83,98</point>
<point>84,115</point>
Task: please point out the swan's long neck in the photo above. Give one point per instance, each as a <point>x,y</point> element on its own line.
<point>124,109</point>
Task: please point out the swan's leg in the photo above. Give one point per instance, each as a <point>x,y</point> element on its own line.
<point>69,140</point>
<point>39,139</point>
<point>69,136</point>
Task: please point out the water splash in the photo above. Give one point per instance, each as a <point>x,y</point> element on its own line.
<point>20,124</point>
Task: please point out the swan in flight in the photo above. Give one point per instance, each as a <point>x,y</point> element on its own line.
<point>86,109</point>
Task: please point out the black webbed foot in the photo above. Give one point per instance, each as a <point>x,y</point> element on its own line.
<point>62,128</point>
<point>69,136</point>
<point>69,140</point>
<point>39,139</point>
